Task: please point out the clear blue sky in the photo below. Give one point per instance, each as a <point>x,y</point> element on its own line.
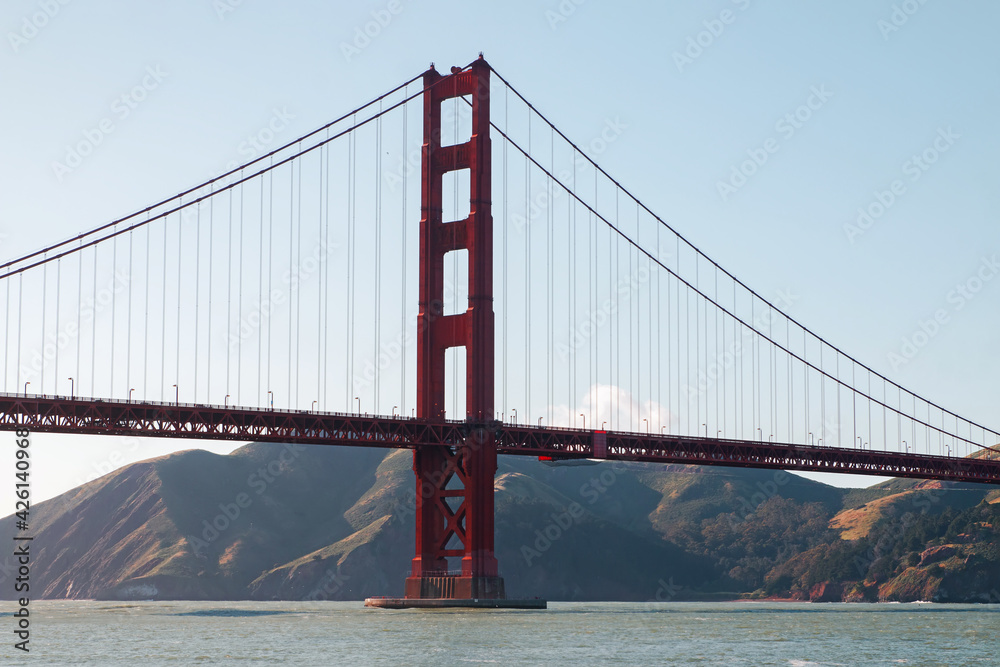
<point>884,85</point>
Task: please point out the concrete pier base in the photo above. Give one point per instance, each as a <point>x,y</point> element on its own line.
<point>453,603</point>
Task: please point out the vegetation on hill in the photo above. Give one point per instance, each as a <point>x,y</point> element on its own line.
<point>291,522</point>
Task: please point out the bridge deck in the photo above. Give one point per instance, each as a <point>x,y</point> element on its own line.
<point>58,414</point>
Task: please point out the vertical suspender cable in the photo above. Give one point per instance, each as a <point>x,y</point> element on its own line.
<point>378,254</point>
<point>197,294</point>
<point>56,341</point>
<point>180,253</point>
<point>291,268</point>
<point>145,326</point>
<point>402,285</point>
<point>270,256</point>
<point>229,295</point>
<point>163,316</point>
<point>208,348</point>
<point>128,335</point>
<point>298,285</point>
<point>41,372</point>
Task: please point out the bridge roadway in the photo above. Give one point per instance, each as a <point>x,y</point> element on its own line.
<point>61,414</point>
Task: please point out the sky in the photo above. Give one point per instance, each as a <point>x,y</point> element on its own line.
<point>871,124</point>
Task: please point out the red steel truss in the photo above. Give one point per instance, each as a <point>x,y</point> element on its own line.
<point>53,414</point>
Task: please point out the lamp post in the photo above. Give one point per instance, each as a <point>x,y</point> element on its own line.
<point>539,422</point>
<point>584,417</point>
<point>270,398</point>
<point>71,388</point>
<point>906,447</point>
<point>177,395</point>
<point>514,412</point>
<point>647,424</point>
<point>314,405</point>
<point>394,408</point>
<point>130,395</point>
<point>358,399</point>
<point>226,402</point>
<point>26,388</point>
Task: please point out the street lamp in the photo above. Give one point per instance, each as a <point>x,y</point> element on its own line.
<point>394,408</point>
<point>26,388</point>
<point>177,395</point>
<point>906,447</point>
<point>584,417</point>
<point>860,446</point>
<point>661,429</point>
<point>314,405</point>
<point>770,438</point>
<point>358,399</point>
<point>71,390</point>
<point>647,424</point>
<point>514,411</point>
<point>130,395</point>
<point>811,440</point>
<point>760,434</point>
<point>706,429</point>
<point>226,402</point>
<point>270,398</point>
<point>603,424</point>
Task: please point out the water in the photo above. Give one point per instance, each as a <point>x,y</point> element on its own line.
<point>150,634</point>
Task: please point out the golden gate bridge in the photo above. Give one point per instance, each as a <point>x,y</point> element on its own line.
<point>275,303</point>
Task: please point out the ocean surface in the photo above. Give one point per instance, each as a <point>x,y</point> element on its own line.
<point>150,634</point>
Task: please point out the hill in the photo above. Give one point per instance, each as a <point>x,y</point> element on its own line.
<point>292,522</point>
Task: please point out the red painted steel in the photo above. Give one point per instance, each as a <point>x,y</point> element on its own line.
<point>455,486</point>
<point>54,414</point>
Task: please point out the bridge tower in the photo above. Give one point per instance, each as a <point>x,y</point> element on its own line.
<point>454,514</point>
